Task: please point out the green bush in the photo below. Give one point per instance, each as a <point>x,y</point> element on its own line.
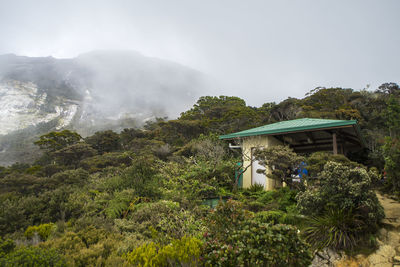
<point>43,230</point>
<point>165,218</point>
<point>180,252</point>
<point>190,183</point>
<point>283,199</point>
<point>254,243</point>
<point>89,246</point>
<point>391,151</point>
<point>121,203</point>
<point>6,246</point>
<point>105,141</point>
<point>72,177</point>
<point>140,176</point>
<point>316,162</point>
<point>254,188</point>
<point>226,217</point>
<point>343,188</point>
<point>50,169</point>
<point>73,154</point>
<point>339,229</point>
<point>96,163</point>
<point>235,238</point>
<point>33,257</point>
<point>34,170</point>
<point>275,217</point>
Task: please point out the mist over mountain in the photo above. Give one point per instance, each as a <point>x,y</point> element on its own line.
<point>94,91</point>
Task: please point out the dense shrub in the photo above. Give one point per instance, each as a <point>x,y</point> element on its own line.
<point>226,217</point>
<point>32,256</point>
<point>342,188</point>
<point>106,141</point>
<point>121,203</point>
<point>99,162</point>
<point>57,140</point>
<point>88,247</point>
<point>391,151</point>
<point>6,246</point>
<point>254,243</point>
<point>142,175</point>
<point>50,169</point>
<point>276,217</point>
<point>340,229</point>
<point>163,220</point>
<point>283,199</point>
<point>235,238</point>
<point>316,162</point>
<point>142,206</point>
<point>21,183</point>
<point>72,177</point>
<point>73,154</point>
<point>43,230</point>
<point>180,252</point>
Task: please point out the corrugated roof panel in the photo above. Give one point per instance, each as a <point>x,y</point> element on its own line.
<point>290,126</point>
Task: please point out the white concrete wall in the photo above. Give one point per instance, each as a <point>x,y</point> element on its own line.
<point>250,143</point>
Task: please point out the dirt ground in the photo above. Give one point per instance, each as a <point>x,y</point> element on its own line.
<point>388,252</point>
<point>392,211</point>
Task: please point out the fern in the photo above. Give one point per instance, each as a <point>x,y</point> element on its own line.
<point>120,204</point>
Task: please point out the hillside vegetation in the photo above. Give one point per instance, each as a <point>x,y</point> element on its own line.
<point>137,198</point>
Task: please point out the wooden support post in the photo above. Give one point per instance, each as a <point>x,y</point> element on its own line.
<point>334,144</point>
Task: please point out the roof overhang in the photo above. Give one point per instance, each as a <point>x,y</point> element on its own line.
<point>308,137</point>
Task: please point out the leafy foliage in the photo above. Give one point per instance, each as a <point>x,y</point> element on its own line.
<point>87,247</point>
<point>224,114</point>
<point>99,162</point>
<point>6,246</point>
<point>116,199</point>
<point>106,141</point>
<point>282,158</point>
<point>339,229</point>
<point>73,154</point>
<point>43,230</point>
<point>57,140</point>
<point>180,252</point>
<point>236,239</point>
<point>342,188</point>
<point>120,204</point>
<point>392,163</point>
<point>32,256</point>
<point>317,160</point>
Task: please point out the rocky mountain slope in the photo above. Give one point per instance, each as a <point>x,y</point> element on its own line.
<point>94,91</point>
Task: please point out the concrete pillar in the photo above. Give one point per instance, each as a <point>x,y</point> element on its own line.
<point>334,141</point>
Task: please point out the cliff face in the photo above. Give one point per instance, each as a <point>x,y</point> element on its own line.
<point>94,91</point>
<point>22,105</point>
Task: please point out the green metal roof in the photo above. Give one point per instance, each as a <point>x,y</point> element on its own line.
<point>291,126</point>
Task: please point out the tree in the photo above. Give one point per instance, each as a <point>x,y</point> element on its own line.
<point>286,110</point>
<point>343,187</point>
<point>73,154</point>
<point>178,132</point>
<point>57,140</point>
<point>128,134</point>
<point>391,152</point>
<point>280,159</point>
<point>106,141</point>
<point>223,114</point>
<point>388,89</point>
<point>393,116</point>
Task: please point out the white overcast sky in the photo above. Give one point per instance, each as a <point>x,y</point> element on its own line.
<point>261,51</point>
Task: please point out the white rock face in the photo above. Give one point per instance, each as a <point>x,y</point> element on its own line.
<point>22,105</point>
